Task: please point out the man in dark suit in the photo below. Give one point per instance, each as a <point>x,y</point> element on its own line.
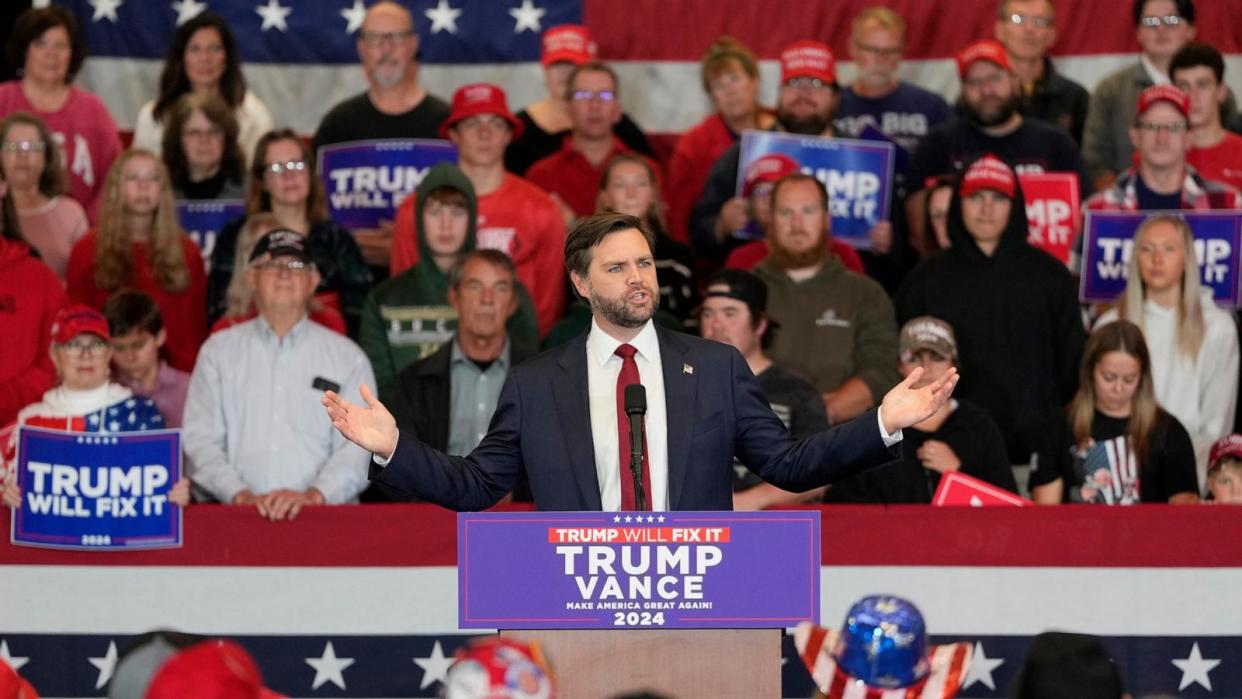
<point>557,417</point>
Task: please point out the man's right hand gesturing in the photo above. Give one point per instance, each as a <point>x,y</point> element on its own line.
<point>372,428</point>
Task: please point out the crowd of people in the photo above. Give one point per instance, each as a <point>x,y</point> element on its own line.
<point>105,296</point>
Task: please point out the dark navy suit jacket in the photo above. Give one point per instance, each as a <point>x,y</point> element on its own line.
<point>715,411</point>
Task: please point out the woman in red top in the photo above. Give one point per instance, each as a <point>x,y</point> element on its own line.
<point>139,244</point>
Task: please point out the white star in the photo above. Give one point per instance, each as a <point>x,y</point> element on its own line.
<point>13,661</point>
<point>443,17</point>
<point>435,667</point>
<point>650,519</point>
<point>1195,669</point>
<point>354,16</point>
<point>188,10</point>
<point>105,9</point>
<point>628,519</point>
<point>660,518</point>
<point>116,426</point>
<point>617,518</point>
<point>981,667</point>
<point>329,668</point>
<point>273,15</point>
<point>106,665</point>
<point>526,17</point>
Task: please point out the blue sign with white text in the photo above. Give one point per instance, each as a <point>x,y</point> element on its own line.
<point>94,491</point>
<point>202,220</point>
<point>1109,244</point>
<point>367,180</point>
<point>858,175</point>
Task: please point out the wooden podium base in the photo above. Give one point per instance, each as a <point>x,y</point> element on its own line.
<point>686,664</point>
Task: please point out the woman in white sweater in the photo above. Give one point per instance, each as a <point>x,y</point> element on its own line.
<point>1193,344</point>
<point>202,57</point>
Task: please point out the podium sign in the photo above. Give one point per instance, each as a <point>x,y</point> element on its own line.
<point>602,570</point>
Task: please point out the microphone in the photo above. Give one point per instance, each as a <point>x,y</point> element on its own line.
<point>636,409</point>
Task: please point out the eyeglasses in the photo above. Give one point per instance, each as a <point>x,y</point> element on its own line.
<point>1154,127</point>
<point>1155,21</point>
<point>805,83</point>
<point>287,166</point>
<point>213,132</point>
<point>373,39</point>
<point>1033,20</point>
<point>24,146</point>
<point>278,265</point>
<point>85,348</point>
<point>589,95</point>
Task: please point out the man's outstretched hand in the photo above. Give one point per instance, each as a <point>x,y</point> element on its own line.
<point>372,428</point>
<point>906,406</point>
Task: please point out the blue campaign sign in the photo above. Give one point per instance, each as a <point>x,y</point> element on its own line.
<point>858,175</point>
<point>366,180</point>
<point>94,491</point>
<point>1109,244</point>
<point>202,220</point>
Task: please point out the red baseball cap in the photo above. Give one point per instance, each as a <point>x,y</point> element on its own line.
<point>480,98</point>
<point>808,59</point>
<point>75,319</point>
<point>984,50</point>
<point>1164,93</point>
<point>769,168</point>
<point>213,669</point>
<point>13,685</point>
<point>988,172</point>
<point>1225,447</point>
<point>570,43</point>
<point>500,668</point>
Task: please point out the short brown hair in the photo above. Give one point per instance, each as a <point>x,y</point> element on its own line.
<point>590,231</point>
<point>881,17</point>
<point>801,177</point>
<point>130,310</point>
<point>495,258</point>
<point>592,67</point>
<point>447,196</point>
<point>31,25</point>
<point>258,199</point>
<point>718,56</point>
<point>52,179</point>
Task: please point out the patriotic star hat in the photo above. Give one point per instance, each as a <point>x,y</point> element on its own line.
<point>13,686</point>
<point>500,668</point>
<point>213,669</point>
<point>881,652</point>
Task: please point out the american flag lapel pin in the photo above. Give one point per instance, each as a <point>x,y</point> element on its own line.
<point>687,369</point>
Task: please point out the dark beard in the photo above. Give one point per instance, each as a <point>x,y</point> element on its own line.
<point>813,125</point>
<point>1006,111</point>
<point>619,313</point>
<point>786,259</point>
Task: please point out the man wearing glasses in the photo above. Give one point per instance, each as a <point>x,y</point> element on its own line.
<point>572,174</point>
<point>1027,29</point>
<point>253,431</point>
<point>394,106</point>
<point>1162,27</point>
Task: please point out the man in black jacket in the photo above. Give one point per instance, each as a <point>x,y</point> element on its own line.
<point>447,399</point>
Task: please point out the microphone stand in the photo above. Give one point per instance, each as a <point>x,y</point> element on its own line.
<point>636,458</point>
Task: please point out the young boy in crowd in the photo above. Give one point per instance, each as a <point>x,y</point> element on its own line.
<point>1224,476</point>
<point>138,334</point>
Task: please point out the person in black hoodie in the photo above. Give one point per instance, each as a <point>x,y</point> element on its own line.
<point>1014,307</point>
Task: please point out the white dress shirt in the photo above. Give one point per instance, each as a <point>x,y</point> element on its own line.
<point>603,367</point>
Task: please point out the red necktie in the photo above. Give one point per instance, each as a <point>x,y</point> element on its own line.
<point>629,375</point>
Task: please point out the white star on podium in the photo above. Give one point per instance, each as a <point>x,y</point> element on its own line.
<point>106,665</point>
<point>435,667</point>
<point>981,667</point>
<point>329,668</point>
<point>15,662</point>
<point>1195,669</point>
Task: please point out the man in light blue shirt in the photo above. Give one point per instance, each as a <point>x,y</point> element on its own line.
<point>254,432</point>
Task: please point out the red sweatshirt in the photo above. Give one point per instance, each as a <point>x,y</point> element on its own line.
<point>30,296</point>
<point>696,152</point>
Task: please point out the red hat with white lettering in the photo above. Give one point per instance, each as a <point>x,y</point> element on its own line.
<point>1229,447</point>
<point>988,172</point>
<point>568,43</point>
<point>213,669</point>
<point>500,668</point>
<point>808,59</point>
<point>769,168</point>
<point>986,50</point>
<point>75,319</point>
<point>1164,93</point>
<point>480,98</point>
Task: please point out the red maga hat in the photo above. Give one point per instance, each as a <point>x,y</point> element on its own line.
<point>480,98</point>
<point>808,59</point>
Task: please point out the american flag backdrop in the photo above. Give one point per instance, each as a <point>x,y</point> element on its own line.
<point>300,58</point>
<point>361,601</point>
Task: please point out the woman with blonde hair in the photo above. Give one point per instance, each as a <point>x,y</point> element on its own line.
<point>1193,344</point>
<point>283,183</point>
<point>1116,445</point>
<point>139,244</point>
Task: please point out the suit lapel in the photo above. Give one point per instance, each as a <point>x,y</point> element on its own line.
<point>681,387</point>
<point>569,391</point>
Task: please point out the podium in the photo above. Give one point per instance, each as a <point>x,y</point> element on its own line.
<point>690,604</point>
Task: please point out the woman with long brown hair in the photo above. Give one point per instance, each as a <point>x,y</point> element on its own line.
<point>1116,445</point>
<point>282,182</point>
<point>139,244</point>
<point>1193,344</point>
<point>201,150</point>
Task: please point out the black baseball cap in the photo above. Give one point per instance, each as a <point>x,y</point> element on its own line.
<point>281,242</point>
<point>743,286</point>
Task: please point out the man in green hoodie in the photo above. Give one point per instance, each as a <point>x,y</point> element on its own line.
<point>408,317</point>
